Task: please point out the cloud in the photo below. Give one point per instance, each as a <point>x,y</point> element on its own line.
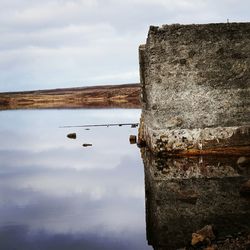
<point>21,236</point>
<point>56,43</point>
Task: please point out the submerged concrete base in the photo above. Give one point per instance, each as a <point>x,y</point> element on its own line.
<point>185,194</point>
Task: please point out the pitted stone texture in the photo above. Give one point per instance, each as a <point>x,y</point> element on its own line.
<point>195,77</point>
<point>175,141</point>
<point>197,74</point>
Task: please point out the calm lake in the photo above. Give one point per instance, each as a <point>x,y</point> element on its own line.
<point>57,194</point>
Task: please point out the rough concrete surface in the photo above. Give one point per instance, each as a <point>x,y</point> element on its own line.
<point>195,87</point>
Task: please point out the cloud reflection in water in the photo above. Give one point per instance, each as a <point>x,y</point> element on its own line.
<point>55,193</point>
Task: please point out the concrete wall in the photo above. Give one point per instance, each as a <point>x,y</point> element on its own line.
<point>195,87</point>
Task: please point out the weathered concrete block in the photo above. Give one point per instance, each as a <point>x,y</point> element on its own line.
<point>195,88</point>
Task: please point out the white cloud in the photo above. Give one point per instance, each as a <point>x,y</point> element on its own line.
<point>61,43</point>
<point>72,35</point>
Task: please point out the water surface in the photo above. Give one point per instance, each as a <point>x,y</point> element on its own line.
<point>56,194</point>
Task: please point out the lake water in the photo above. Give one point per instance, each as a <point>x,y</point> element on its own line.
<point>57,194</point>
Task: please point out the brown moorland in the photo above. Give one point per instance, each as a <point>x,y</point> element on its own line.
<point>108,96</point>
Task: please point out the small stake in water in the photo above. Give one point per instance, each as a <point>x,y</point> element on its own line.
<point>72,135</point>
<point>132,139</point>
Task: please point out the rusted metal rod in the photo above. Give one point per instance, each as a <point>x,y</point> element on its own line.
<point>133,125</point>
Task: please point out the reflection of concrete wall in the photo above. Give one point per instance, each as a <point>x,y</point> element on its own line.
<point>183,195</point>
<point>195,87</point>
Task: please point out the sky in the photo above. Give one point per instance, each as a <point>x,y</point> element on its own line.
<point>73,43</point>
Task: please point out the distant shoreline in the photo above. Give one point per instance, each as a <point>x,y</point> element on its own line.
<point>105,96</point>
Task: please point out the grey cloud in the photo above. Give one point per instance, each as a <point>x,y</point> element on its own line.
<point>59,43</point>
<point>68,36</point>
<point>21,236</point>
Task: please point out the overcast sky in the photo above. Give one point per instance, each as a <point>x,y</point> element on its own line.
<point>65,43</point>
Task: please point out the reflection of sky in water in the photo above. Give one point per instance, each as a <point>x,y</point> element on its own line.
<point>56,194</point>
